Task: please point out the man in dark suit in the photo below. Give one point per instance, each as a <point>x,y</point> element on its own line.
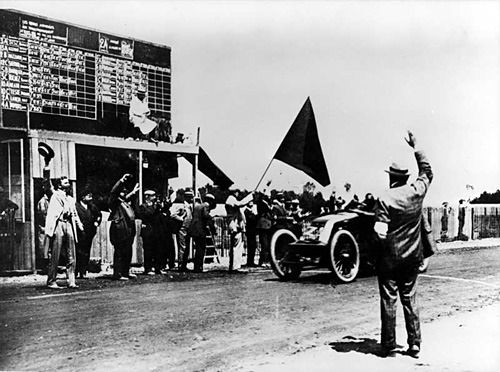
<point>149,213</point>
<point>202,223</point>
<point>398,224</point>
<point>91,217</point>
<point>122,227</point>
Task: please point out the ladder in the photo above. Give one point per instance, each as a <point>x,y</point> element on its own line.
<point>211,253</point>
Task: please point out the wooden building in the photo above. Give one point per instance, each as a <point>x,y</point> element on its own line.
<point>70,87</point>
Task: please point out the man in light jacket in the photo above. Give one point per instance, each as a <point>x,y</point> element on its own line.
<point>61,226</point>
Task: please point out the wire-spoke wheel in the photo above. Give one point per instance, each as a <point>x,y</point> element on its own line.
<point>344,256</point>
<point>280,255</point>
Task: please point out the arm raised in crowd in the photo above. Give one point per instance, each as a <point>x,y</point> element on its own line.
<point>117,188</point>
<point>425,174</point>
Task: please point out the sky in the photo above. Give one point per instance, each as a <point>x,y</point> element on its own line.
<point>242,70</point>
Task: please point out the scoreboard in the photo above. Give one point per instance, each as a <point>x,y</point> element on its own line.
<point>64,77</point>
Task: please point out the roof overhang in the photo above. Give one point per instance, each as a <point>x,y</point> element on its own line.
<point>113,142</point>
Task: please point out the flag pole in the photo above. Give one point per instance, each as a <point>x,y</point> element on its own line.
<point>261,178</point>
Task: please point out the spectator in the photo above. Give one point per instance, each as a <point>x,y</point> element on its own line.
<point>184,216</point>
<point>461,220</point>
<point>202,224</point>
<point>139,114</point>
<point>122,230</point>
<point>41,215</point>
<point>332,202</point>
<point>166,229</point>
<point>149,213</point>
<point>236,227</point>
<point>444,222</point>
<point>91,218</point>
<point>264,223</point>
<point>250,213</point>
<point>61,226</point>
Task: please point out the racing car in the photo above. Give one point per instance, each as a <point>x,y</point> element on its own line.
<point>343,242</point>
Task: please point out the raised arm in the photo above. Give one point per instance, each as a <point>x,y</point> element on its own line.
<point>425,174</point>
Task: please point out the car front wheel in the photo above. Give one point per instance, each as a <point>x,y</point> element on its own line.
<point>280,255</point>
<point>344,256</point>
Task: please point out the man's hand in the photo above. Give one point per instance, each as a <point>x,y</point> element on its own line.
<point>126,177</point>
<point>411,140</point>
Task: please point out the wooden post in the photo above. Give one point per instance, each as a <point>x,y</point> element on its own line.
<point>195,164</point>
<point>140,177</point>
<point>34,232</point>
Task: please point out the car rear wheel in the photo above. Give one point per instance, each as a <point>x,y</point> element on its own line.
<point>280,255</point>
<point>344,256</point>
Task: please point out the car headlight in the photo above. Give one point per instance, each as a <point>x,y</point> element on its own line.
<point>311,231</point>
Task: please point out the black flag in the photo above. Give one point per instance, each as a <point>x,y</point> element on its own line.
<point>301,148</point>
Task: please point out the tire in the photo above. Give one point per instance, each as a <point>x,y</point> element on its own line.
<point>424,265</point>
<point>344,259</point>
<point>279,251</point>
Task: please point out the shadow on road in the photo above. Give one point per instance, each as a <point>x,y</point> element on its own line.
<point>359,345</point>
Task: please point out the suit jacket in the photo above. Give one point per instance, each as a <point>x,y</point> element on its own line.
<point>201,222</point>
<point>149,215</point>
<point>59,204</point>
<point>122,217</point>
<point>401,209</point>
<point>89,217</point>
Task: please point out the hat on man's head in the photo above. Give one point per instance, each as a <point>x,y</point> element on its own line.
<point>210,197</point>
<point>45,150</point>
<point>396,170</point>
<point>141,89</point>
<point>295,201</point>
<point>149,192</point>
<point>188,193</point>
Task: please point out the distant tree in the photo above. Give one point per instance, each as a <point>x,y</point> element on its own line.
<point>487,198</point>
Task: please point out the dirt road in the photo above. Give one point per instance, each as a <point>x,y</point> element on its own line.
<point>216,321</point>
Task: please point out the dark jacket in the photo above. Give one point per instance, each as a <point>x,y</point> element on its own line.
<point>149,215</point>
<point>122,216</point>
<point>89,217</point>
<point>202,222</point>
<point>401,209</point>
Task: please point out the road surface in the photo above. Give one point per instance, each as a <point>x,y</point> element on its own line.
<point>215,321</point>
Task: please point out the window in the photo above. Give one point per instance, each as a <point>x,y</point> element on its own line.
<point>12,174</point>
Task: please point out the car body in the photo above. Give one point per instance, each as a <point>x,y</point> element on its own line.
<point>343,242</point>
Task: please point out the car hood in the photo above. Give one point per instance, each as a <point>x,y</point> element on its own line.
<point>336,217</point>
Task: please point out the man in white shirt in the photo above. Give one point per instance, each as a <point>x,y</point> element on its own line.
<point>139,112</point>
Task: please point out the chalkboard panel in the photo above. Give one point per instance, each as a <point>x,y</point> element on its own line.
<point>14,118</point>
<point>151,54</point>
<point>9,23</point>
<point>82,38</point>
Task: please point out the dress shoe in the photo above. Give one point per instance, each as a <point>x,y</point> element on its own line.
<point>388,352</point>
<point>132,276</point>
<point>123,278</point>
<point>414,351</point>
<point>53,286</point>
<point>73,286</point>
